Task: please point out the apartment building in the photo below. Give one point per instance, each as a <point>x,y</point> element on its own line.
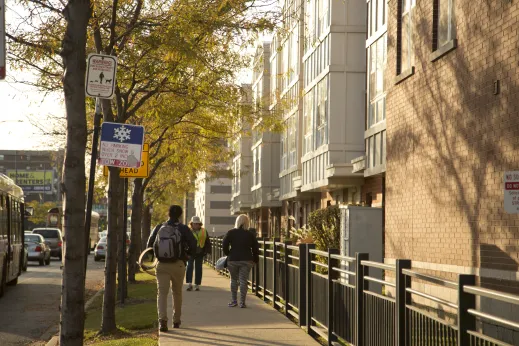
<point>452,85</point>
<point>213,202</point>
<point>318,75</point>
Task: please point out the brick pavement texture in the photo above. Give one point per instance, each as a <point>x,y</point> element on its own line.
<point>206,320</point>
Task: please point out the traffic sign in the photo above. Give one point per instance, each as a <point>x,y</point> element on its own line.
<point>141,172</point>
<point>511,192</point>
<point>2,39</point>
<point>121,145</point>
<point>100,78</point>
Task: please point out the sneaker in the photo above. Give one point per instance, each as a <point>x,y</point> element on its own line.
<point>197,288</point>
<point>189,288</point>
<point>163,325</point>
<point>242,305</point>
<point>232,304</point>
<point>176,325</point>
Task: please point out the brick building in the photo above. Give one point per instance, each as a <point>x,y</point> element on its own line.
<point>452,131</point>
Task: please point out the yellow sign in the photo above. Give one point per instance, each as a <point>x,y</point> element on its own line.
<point>141,172</point>
<point>31,178</point>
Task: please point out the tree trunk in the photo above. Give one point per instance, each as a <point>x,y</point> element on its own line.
<point>114,211</point>
<point>146,225</point>
<point>77,15</point>
<point>135,245</point>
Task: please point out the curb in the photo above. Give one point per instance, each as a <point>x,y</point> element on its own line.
<point>54,341</point>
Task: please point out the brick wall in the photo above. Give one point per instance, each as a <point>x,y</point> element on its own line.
<point>450,139</point>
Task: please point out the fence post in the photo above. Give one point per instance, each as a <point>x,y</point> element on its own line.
<point>309,269</point>
<point>274,273</point>
<point>302,284</point>
<point>466,301</point>
<point>359,298</point>
<point>332,275</point>
<point>285,274</point>
<point>265,270</point>
<point>402,297</point>
<point>256,276</point>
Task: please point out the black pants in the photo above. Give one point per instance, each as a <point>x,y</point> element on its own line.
<point>196,264</point>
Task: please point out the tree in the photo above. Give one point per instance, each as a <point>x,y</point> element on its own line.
<point>73,52</point>
<point>39,216</point>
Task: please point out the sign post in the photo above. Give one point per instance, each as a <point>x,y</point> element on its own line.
<point>2,40</point>
<point>99,83</point>
<point>511,192</point>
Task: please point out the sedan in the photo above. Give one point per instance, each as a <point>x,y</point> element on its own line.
<point>102,248</point>
<point>37,249</point>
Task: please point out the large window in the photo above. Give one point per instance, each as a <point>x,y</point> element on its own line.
<point>292,140</point>
<point>284,147</point>
<point>220,189</point>
<point>256,158</point>
<point>308,112</point>
<point>377,54</point>
<point>406,10</point>
<point>317,20</point>
<point>321,113</point>
<point>444,30</point>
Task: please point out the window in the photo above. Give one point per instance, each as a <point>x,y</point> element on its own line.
<point>377,54</point>
<point>444,29</point>
<point>406,9</point>
<point>308,114</point>
<point>220,205</point>
<point>284,147</point>
<point>292,141</point>
<point>221,189</point>
<point>321,115</point>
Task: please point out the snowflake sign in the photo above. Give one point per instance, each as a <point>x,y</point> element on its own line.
<point>122,133</point>
<point>121,145</point>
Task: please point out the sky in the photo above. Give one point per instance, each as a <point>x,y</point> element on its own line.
<point>26,114</point>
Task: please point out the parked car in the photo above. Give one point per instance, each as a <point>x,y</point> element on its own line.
<point>53,238</point>
<point>25,257</point>
<point>101,249</point>
<point>37,249</point>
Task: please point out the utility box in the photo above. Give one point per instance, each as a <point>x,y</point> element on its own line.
<point>362,231</point>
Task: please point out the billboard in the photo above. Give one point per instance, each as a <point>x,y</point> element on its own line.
<point>33,181</point>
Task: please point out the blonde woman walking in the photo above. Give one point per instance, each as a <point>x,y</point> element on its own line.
<point>242,251</point>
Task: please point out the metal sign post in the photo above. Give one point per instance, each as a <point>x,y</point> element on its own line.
<point>123,277</point>
<point>99,83</point>
<point>2,40</point>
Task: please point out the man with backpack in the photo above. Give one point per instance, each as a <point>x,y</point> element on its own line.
<point>172,243</point>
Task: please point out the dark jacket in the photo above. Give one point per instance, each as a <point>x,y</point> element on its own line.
<point>243,246</point>
<point>188,240</point>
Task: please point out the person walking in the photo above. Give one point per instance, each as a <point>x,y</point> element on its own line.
<point>242,251</point>
<point>203,247</point>
<point>172,243</point>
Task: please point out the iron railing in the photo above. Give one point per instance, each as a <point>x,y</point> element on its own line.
<point>354,301</point>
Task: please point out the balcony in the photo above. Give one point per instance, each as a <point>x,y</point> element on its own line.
<point>241,203</point>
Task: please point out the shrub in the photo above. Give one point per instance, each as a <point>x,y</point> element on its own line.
<point>325,227</point>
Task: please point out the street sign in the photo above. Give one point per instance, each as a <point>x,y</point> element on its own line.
<point>141,172</point>
<point>121,145</point>
<point>2,40</point>
<point>100,78</point>
<point>511,192</point>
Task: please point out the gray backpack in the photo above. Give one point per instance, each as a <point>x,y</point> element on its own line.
<point>168,244</point>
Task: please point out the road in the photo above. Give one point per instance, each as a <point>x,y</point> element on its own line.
<point>29,311</point>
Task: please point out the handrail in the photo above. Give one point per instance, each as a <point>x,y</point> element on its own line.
<point>382,282</point>
<point>293,257</point>
<point>343,271</point>
<point>431,279</point>
<point>378,265</point>
<point>493,318</point>
<point>269,242</point>
<point>485,292</point>
<point>319,252</point>
<point>320,264</point>
<point>343,258</point>
<point>292,247</point>
<point>433,298</point>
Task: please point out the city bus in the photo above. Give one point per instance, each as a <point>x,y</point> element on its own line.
<point>55,219</point>
<point>12,212</point>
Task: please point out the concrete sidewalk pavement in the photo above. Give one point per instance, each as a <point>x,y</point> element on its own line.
<point>206,320</point>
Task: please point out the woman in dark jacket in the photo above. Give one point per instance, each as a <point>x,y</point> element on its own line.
<point>242,251</point>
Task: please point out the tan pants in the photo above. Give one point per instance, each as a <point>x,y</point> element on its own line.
<point>170,273</point>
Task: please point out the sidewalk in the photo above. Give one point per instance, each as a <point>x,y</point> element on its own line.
<point>206,320</point>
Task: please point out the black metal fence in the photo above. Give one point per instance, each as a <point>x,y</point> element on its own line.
<point>336,298</point>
